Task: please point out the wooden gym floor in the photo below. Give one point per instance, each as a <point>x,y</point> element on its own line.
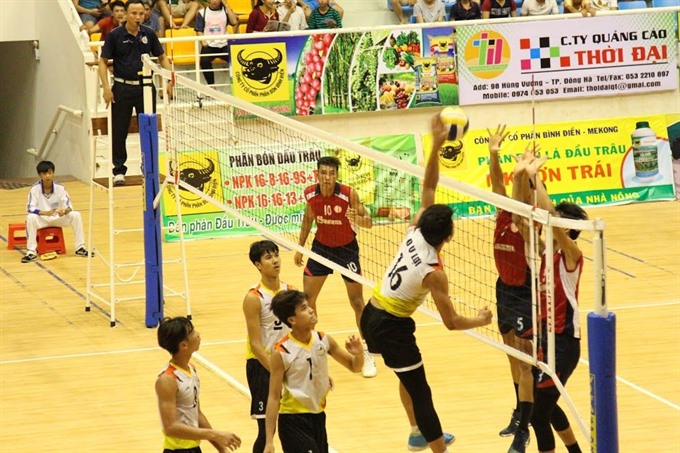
<point>69,382</point>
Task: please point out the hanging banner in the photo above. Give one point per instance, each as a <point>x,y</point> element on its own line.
<point>597,162</point>
<point>572,58</point>
<point>333,72</point>
<point>269,186</point>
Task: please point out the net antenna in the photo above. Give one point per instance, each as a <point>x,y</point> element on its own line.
<point>252,166</point>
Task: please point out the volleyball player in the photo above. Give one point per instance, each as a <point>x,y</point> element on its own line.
<point>568,265</point>
<point>299,376</point>
<point>416,271</point>
<point>337,210</point>
<point>178,389</point>
<point>513,292</point>
<point>264,330</point>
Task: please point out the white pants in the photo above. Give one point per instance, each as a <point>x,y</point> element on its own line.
<point>34,222</point>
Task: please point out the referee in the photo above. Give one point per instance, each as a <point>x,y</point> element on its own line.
<point>125,45</point>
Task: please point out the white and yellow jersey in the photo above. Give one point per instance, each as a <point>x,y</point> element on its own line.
<point>401,290</point>
<point>271,329</point>
<point>305,374</point>
<point>188,390</point>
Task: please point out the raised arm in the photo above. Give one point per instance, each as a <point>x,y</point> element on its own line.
<point>305,228</point>
<point>495,171</point>
<point>438,284</point>
<point>431,179</point>
<point>352,357</point>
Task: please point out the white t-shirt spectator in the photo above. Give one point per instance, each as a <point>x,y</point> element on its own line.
<point>536,8</point>
<point>429,13</point>
<point>297,19</point>
<point>604,5</point>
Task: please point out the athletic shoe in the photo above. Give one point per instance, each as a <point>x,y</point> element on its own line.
<point>520,442</point>
<point>119,180</point>
<point>417,442</point>
<point>512,426</point>
<point>30,256</point>
<point>82,251</point>
<point>369,370</point>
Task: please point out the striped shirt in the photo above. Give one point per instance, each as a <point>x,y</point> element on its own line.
<point>318,20</point>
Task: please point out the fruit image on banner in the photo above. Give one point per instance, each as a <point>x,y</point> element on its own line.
<point>309,74</point>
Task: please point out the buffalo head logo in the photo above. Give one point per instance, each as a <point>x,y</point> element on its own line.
<point>451,150</point>
<point>195,177</point>
<point>260,69</point>
<point>353,162</point>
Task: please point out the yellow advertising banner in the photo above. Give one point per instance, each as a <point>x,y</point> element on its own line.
<point>589,162</point>
<point>259,72</point>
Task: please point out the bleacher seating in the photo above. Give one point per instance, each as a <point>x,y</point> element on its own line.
<point>632,4</point>
<point>662,3</point>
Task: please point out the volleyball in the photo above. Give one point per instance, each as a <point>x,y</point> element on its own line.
<point>457,120</point>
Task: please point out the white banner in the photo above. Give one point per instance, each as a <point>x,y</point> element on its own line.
<point>586,56</point>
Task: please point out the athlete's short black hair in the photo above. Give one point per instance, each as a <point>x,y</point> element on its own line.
<point>172,331</point>
<point>285,302</point>
<point>436,224</point>
<point>44,166</point>
<point>260,248</point>
<point>571,211</point>
<point>329,161</point>
<point>133,2</point>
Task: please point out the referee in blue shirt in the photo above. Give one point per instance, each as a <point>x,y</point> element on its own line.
<point>125,45</point>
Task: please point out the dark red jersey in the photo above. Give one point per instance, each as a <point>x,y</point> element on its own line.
<point>333,228</point>
<point>508,251</point>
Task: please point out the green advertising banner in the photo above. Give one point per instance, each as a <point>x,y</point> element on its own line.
<point>268,186</point>
<point>340,72</point>
<point>612,161</point>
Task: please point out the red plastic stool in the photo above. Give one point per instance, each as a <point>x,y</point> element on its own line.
<point>14,240</point>
<point>51,239</point>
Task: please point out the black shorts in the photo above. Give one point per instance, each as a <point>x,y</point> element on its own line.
<point>567,353</point>
<point>258,383</point>
<point>183,450</point>
<point>514,308</point>
<point>392,337</point>
<point>303,433</point>
<point>346,256</point>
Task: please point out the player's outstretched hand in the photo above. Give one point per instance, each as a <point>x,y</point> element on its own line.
<point>485,316</point>
<point>440,133</point>
<point>227,440</point>
<point>298,258</point>
<point>354,346</point>
<point>496,138</point>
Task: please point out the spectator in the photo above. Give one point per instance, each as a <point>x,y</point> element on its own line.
<point>105,25</point>
<point>50,205</point>
<point>184,9</point>
<point>428,11</point>
<point>539,8</point>
<point>326,16</point>
<point>465,10</point>
<point>396,6</point>
<point>91,11</point>
<point>293,12</point>
<point>213,20</point>
<point>496,9</point>
<point>151,20</point>
<point>263,12</point>
<point>602,5</point>
<point>578,6</point>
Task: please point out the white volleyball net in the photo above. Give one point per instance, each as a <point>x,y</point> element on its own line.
<point>242,169</point>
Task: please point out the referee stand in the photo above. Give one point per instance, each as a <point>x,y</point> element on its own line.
<point>109,287</point>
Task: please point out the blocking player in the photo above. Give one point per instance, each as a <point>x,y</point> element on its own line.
<point>513,292</point>
<point>178,389</point>
<point>337,211</point>
<point>568,265</point>
<point>416,271</point>
<point>299,376</point>
<point>264,330</point>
